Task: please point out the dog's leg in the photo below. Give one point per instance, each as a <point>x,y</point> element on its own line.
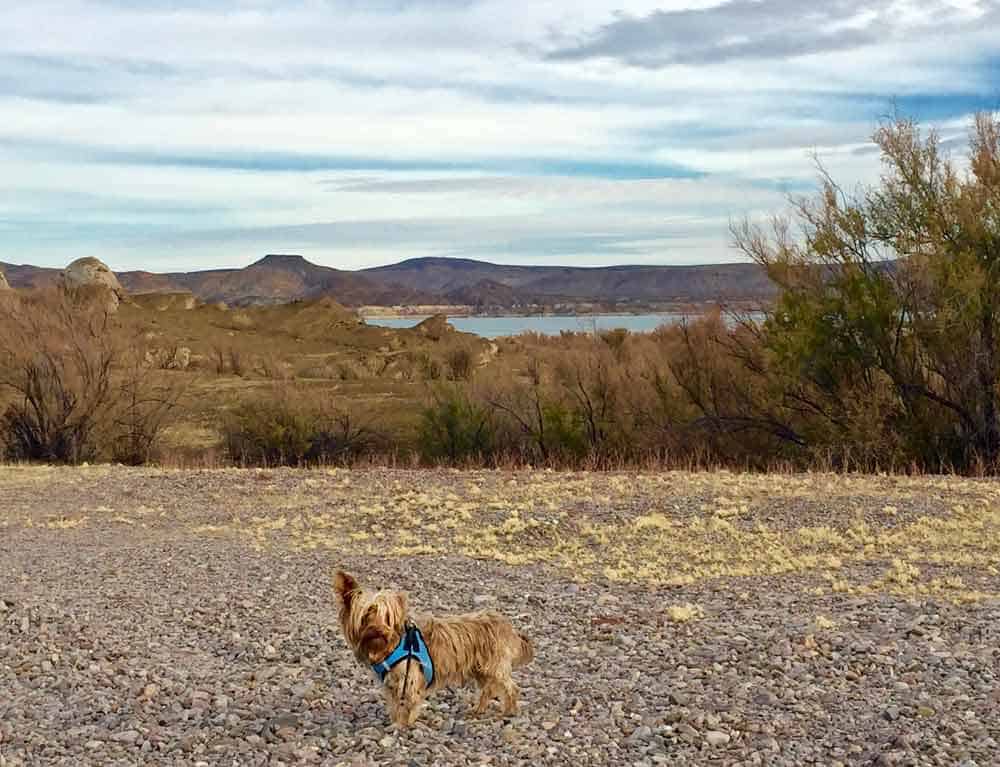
<point>398,711</point>
<point>511,695</point>
<point>489,689</point>
<point>413,713</point>
<point>405,714</point>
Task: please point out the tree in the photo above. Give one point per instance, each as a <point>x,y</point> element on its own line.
<point>890,301</point>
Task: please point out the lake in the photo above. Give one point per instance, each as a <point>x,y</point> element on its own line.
<point>551,325</point>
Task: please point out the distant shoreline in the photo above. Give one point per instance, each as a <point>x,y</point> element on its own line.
<point>422,312</point>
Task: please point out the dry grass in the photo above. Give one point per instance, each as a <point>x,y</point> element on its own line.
<point>828,533</point>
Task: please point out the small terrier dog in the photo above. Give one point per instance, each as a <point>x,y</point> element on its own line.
<point>417,657</point>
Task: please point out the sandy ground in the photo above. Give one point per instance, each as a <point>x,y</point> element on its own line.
<point>185,617</point>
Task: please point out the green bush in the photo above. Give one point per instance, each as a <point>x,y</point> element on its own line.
<point>453,428</point>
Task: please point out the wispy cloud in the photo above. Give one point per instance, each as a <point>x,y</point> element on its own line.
<point>779,30</point>
<point>204,132</point>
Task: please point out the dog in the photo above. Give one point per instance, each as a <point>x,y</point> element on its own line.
<point>415,657</point>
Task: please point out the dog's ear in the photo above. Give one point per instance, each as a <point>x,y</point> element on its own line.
<point>345,585</point>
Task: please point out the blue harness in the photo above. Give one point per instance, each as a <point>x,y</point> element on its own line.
<point>411,646</point>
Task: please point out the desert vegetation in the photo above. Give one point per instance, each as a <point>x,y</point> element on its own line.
<point>880,352</point>
<point>166,614</point>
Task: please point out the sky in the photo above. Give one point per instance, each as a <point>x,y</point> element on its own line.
<point>192,134</point>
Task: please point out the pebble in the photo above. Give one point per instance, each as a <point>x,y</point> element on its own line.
<point>481,600</point>
<point>240,659</point>
<point>716,738</point>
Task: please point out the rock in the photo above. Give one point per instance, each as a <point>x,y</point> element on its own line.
<point>687,732</point>
<point>435,327</point>
<point>93,276</point>
<point>481,600</point>
<point>200,699</point>
<point>607,599</point>
<point>284,726</point>
<point>677,698</point>
<point>182,360</point>
<point>4,285</point>
<point>674,715</point>
<point>889,758</point>
<point>765,698</point>
<point>127,736</point>
<point>716,738</point>
<point>641,734</point>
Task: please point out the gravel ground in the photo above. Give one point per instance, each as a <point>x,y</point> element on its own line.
<point>186,618</point>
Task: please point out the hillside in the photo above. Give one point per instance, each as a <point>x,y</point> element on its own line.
<point>611,283</point>
<point>282,278</point>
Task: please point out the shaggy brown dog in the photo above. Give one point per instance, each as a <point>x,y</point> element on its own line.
<point>481,647</point>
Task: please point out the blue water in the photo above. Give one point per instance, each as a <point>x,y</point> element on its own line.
<point>552,325</point>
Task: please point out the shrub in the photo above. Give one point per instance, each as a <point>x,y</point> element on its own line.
<point>891,298</point>
<point>270,365</point>
<point>145,401</point>
<point>236,362</point>
<point>460,364</point>
<point>56,355</point>
<point>219,360</point>
<point>455,429</point>
<point>430,368</point>
<point>292,428</point>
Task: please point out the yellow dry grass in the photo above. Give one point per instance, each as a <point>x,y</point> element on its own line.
<point>583,524</point>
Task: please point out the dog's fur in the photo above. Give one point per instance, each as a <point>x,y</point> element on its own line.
<point>481,647</point>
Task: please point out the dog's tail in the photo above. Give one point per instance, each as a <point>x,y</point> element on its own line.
<point>526,652</point>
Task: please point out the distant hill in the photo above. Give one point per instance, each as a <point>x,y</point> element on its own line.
<point>276,279</point>
<point>679,284</point>
<point>281,278</point>
<point>27,276</point>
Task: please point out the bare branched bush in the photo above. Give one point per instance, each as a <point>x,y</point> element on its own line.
<point>460,364</point>
<point>56,357</point>
<point>291,426</point>
<point>219,360</point>
<point>236,362</point>
<point>270,365</point>
<point>146,399</point>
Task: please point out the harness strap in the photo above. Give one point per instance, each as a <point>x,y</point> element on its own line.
<point>411,647</point>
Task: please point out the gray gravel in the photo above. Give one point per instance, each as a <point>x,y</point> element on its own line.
<point>133,632</point>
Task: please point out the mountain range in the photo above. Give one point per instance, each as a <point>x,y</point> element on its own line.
<point>454,281</point>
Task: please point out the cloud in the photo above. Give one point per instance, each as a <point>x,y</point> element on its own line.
<point>765,30</point>
<point>205,132</point>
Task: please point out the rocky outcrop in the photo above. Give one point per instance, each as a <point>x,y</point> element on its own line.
<point>92,277</point>
<point>435,327</point>
<point>174,358</point>
<point>4,285</point>
<point>183,300</point>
